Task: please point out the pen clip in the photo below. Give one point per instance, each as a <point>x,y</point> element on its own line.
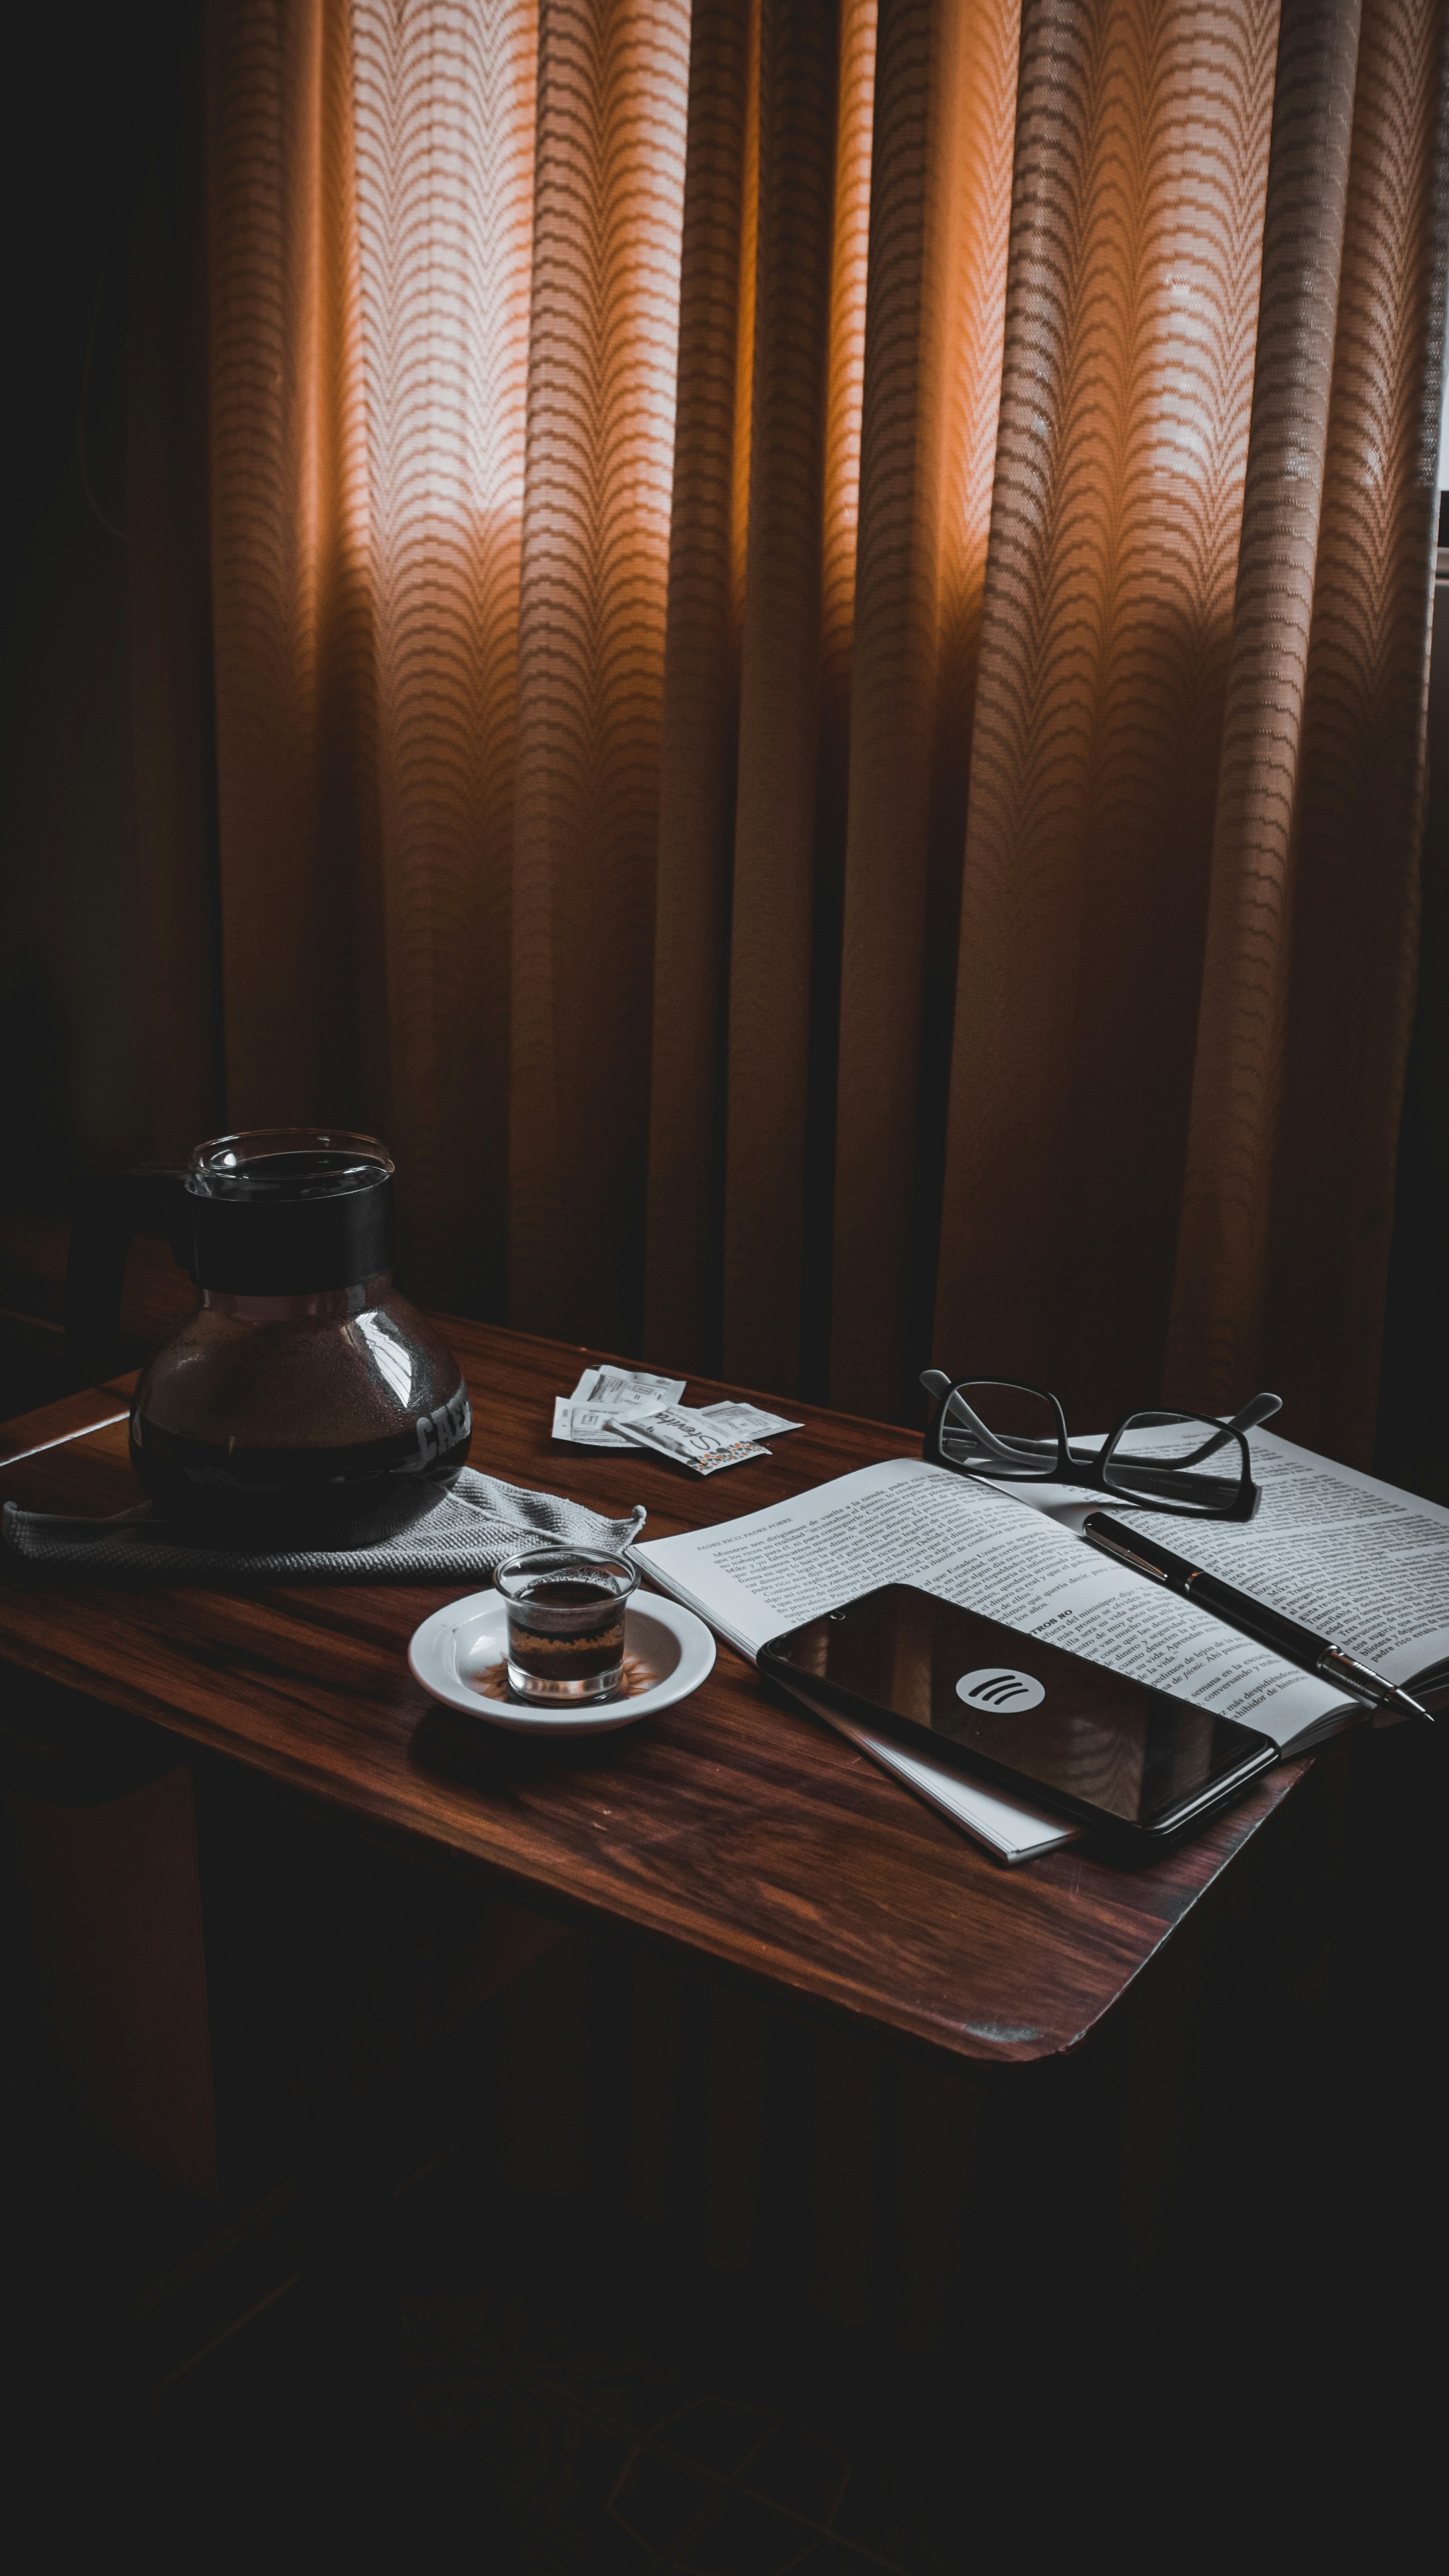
<point>1123,1555</point>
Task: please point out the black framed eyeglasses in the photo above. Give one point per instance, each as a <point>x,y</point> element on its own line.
<point>1193,1464</point>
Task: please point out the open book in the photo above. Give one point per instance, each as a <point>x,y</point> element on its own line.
<point>1351,1557</point>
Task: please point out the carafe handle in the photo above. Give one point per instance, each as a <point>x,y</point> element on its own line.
<point>111,1211</point>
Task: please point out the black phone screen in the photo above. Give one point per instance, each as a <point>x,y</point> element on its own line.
<point>1027,1715</point>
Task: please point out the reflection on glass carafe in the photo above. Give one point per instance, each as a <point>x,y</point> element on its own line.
<point>304,1400</point>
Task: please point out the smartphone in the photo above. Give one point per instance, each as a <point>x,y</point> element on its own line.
<point>1061,1731</point>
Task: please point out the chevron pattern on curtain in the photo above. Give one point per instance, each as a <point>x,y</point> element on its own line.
<point>821,624</point>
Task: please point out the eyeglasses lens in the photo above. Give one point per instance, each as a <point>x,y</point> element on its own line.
<point>1013,1433</point>
<point>1183,1459</point>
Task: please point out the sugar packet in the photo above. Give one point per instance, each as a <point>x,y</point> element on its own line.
<point>745,1421</point>
<point>584,1423</point>
<point>676,1434</point>
<point>585,1416</point>
<point>705,1437</point>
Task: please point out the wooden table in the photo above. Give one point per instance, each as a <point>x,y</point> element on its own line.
<point>733,1829</point>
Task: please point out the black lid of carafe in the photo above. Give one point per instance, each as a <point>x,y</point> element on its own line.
<point>290,1212</point>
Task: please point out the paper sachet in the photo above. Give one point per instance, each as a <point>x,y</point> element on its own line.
<point>601,1393</point>
<point>704,1437</point>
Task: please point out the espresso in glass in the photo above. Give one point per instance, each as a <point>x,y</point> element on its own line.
<point>565,1623</point>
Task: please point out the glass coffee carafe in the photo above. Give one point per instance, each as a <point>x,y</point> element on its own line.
<point>304,1401</point>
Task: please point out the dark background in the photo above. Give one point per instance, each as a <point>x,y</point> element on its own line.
<point>1334,2096</point>
<point>101,155</point>
<point>86,115</point>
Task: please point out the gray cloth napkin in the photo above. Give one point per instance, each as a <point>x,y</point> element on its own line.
<point>470,1530</point>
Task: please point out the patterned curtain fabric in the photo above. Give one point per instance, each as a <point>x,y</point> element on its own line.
<point>820,632</point>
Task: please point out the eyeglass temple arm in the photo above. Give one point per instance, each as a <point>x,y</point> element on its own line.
<point>1258,1409</point>
<point>935,1384</point>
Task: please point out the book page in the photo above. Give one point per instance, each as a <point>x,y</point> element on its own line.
<point>1358,1561</point>
<point>907,1522</point>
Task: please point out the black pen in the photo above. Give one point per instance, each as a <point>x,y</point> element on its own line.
<point>1296,1644</point>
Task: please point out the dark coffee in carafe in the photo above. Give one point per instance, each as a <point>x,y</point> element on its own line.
<point>304,1400</point>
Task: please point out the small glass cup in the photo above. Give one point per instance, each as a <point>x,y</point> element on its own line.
<point>565,1623</point>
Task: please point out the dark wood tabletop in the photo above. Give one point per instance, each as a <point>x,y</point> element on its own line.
<point>731,1827</point>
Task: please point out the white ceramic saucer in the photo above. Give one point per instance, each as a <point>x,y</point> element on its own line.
<point>469,1635</point>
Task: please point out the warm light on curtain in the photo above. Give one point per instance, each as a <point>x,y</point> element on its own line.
<point>820,635</point>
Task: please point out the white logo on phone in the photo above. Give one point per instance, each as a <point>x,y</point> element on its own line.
<point>994,1686</point>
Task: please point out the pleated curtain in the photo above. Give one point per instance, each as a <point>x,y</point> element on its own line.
<point>820,622</point>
